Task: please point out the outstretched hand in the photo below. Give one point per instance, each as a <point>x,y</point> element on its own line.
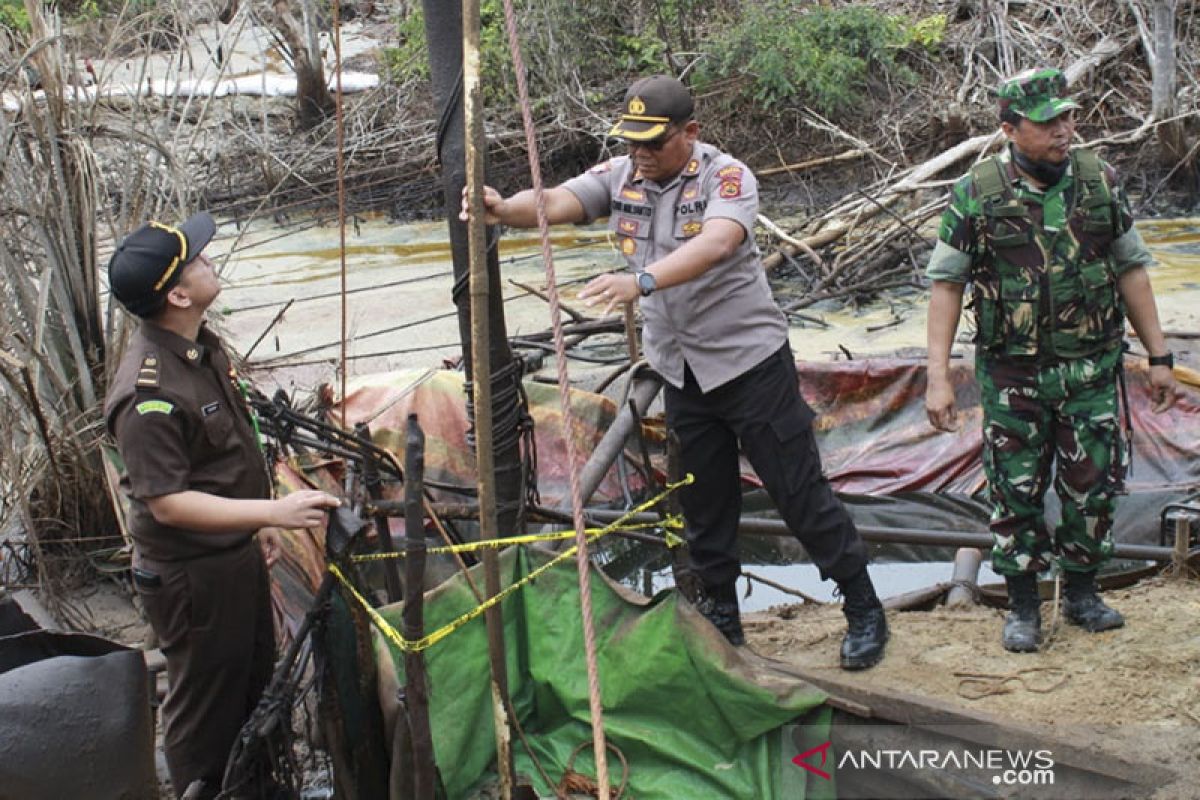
<point>610,289</point>
<point>492,202</point>
<point>303,509</point>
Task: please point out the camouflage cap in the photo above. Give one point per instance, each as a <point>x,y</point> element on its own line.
<point>1036,94</point>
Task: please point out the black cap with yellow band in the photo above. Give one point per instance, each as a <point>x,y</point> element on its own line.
<point>148,262</point>
<point>651,104</point>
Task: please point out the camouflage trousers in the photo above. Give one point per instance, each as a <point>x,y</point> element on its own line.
<point>1038,419</point>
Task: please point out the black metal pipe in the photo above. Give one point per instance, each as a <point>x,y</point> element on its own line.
<point>416,681</point>
<point>759,526</point>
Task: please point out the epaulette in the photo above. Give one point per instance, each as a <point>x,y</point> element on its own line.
<point>148,372</point>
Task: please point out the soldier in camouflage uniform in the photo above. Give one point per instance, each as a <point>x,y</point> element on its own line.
<point>1044,235</point>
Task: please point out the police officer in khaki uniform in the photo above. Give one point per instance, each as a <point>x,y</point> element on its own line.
<point>683,214</point>
<point>199,492</point>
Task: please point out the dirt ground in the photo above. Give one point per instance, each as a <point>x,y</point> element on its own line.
<point>1133,692</point>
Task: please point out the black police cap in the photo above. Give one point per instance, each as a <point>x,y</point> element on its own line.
<point>149,261</point>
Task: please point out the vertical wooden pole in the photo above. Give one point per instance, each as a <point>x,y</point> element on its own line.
<point>477,238</point>
<point>1183,535</point>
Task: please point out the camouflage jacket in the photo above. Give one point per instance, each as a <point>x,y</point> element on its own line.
<point>1044,264</point>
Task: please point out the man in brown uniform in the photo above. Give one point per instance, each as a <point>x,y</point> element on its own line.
<point>683,215</point>
<point>199,491</point>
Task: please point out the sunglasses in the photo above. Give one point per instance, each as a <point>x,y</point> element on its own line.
<point>654,145</point>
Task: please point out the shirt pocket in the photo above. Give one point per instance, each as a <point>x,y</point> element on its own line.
<point>689,226</point>
<point>633,236</point>
<point>218,425</point>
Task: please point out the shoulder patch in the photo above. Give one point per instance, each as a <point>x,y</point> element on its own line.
<point>731,172</point>
<point>148,373</point>
<point>730,189</point>
<point>154,407</point>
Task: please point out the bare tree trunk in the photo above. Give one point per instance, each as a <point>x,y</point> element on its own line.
<point>313,101</point>
<point>1162,67</point>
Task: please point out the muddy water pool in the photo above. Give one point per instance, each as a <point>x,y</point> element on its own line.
<point>399,314</point>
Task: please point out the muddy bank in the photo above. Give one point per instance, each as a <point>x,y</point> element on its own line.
<point>1133,693</point>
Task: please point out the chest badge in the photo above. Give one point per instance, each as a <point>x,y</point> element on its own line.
<point>628,246</point>
<point>629,226</point>
<point>692,228</point>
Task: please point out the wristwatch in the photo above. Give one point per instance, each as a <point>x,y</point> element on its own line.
<point>1167,361</point>
<point>646,283</point>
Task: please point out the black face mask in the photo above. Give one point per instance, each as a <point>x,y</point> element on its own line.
<point>1043,172</point>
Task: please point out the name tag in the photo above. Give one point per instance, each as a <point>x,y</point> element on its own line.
<point>210,409</point>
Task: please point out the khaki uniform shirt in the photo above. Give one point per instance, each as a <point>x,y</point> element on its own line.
<point>180,424</point>
<point>721,323</point>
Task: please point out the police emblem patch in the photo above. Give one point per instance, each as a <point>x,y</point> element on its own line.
<point>692,228</point>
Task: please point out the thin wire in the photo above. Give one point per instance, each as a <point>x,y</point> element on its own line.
<point>341,188</point>
<point>581,557</point>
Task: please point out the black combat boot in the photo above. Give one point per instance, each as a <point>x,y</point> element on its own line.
<point>867,630</point>
<point>1023,626</point>
<point>719,605</point>
<point>1083,607</point>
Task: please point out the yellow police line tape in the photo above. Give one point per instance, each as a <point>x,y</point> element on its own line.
<point>413,646</point>
<point>671,522</point>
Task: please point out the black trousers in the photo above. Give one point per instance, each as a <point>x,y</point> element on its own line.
<point>213,619</point>
<point>763,411</point>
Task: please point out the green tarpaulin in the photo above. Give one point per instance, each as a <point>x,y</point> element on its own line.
<point>693,717</point>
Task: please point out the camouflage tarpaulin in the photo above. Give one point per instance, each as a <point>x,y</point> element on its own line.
<point>384,401</point>
<point>875,439</point>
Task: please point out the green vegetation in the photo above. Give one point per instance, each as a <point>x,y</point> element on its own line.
<point>824,57</point>
<point>928,33</point>
<point>12,15</point>
<point>564,44</point>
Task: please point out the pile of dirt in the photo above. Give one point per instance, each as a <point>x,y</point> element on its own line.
<point>1133,692</point>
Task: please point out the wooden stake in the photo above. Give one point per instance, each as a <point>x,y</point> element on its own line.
<point>482,375</point>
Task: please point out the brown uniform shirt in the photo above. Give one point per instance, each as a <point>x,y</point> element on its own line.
<point>180,425</point>
<point>720,323</point>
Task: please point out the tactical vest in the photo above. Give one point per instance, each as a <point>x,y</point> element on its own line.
<point>1051,294</point>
